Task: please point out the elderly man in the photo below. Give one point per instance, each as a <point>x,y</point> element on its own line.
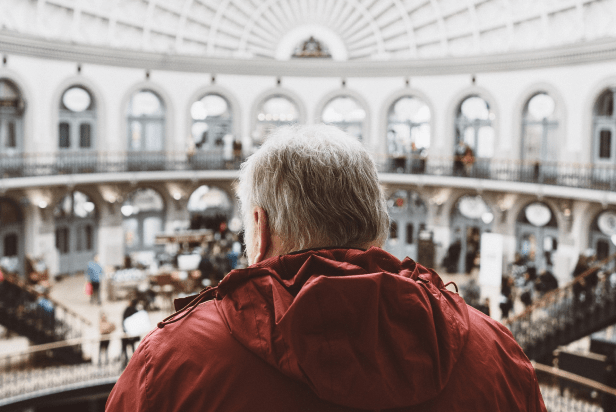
<point>323,319</point>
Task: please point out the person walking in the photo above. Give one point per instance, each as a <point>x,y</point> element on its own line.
<point>94,274</point>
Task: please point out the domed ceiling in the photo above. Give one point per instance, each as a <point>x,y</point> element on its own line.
<point>341,29</point>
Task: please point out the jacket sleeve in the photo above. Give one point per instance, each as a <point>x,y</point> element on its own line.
<point>130,391</point>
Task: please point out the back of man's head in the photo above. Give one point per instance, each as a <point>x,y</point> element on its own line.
<point>318,186</point>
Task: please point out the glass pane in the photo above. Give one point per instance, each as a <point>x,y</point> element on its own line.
<point>605,144</point>
<point>540,106</point>
<point>343,109</point>
<point>11,139</point>
<point>205,197</point>
<point>533,136</point>
<point>529,246</point>
<point>153,136</point>
<point>603,249</point>
<point>76,99</point>
<point>65,141</point>
<point>211,105</point>
<point>135,135</point>
<point>131,236</point>
<point>552,143</point>
<point>475,108</point>
<point>485,142</point>
<point>10,245</point>
<point>85,140</point>
<point>89,237</point>
<point>143,200</point>
<point>393,230</point>
<point>605,104</point>
<point>409,233</point>
<point>146,103</point>
<point>152,226</point>
<point>410,109</point>
<point>199,133</point>
<point>83,206</point>
<point>62,240</point>
<point>80,238</point>
<point>278,108</point>
<point>8,213</point>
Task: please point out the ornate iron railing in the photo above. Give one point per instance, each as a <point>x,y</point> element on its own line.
<point>23,376</point>
<point>576,175</point>
<point>31,373</point>
<point>584,306</point>
<point>37,316</point>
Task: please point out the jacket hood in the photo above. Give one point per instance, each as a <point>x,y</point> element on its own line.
<point>361,328</point>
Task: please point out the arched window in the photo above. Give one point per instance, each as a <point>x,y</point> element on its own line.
<point>474,126</point>
<point>76,226</point>
<point>408,126</point>
<point>604,120</point>
<point>76,120</point>
<point>146,122</point>
<point>209,207</point>
<point>11,117</point>
<point>471,217</point>
<point>274,111</point>
<point>539,129</point>
<point>143,217</point>
<point>346,113</point>
<point>212,120</point>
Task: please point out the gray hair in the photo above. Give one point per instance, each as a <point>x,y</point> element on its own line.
<point>318,186</point>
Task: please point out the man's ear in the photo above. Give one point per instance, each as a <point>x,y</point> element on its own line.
<point>262,234</point>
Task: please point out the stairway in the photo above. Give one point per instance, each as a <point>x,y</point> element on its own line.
<point>40,319</point>
<point>567,314</point>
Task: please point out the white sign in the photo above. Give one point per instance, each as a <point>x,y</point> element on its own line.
<point>491,261</point>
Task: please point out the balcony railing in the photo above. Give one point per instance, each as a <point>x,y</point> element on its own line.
<point>575,175</point>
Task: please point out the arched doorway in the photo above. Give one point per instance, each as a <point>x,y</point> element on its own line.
<point>603,234</point>
<point>76,229</point>
<point>143,215</point>
<point>11,237</point>
<point>537,235</point>
<point>471,217</point>
<point>408,215</point>
<point>208,207</point>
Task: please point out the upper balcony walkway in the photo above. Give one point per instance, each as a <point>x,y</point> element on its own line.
<point>73,168</point>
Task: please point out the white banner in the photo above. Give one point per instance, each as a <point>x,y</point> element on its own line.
<point>491,261</point>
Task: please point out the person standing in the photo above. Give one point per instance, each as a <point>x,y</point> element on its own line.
<point>130,310</point>
<point>324,319</point>
<point>105,328</point>
<point>95,275</point>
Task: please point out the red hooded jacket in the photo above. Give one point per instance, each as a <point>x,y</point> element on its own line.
<point>329,330</point>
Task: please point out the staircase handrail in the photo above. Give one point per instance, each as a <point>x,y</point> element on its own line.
<point>552,295</point>
<point>574,378</point>
<point>21,284</point>
<point>63,344</point>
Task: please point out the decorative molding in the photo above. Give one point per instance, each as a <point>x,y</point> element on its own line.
<point>580,53</point>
